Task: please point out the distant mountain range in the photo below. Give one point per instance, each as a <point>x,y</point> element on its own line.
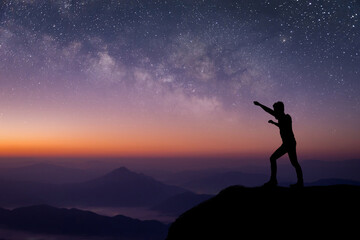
<point>314,170</point>
<point>212,181</point>
<point>51,220</point>
<point>124,188</point>
<point>333,181</point>
<point>119,188</point>
<point>326,212</point>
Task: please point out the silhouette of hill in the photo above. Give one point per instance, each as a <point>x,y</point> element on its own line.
<point>315,170</point>
<point>46,173</point>
<point>212,184</point>
<point>211,181</point>
<point>51,220</point>
<point>180,203</point>
<point>333,181</point>
<point>280,213</point>
<point>119,188</point>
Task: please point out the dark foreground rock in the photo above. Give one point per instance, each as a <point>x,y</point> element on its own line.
<point>277,213</point>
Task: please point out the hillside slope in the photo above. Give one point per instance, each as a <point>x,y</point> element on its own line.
<point>46,219</point>
<point>280,213</point>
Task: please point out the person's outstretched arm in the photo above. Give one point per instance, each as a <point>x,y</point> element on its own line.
<point>265,108</point>
<point>272,122</point>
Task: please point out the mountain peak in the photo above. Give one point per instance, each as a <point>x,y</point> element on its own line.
<point>122,172</point>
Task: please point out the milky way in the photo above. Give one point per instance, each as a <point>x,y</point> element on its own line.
<point>183,59</point>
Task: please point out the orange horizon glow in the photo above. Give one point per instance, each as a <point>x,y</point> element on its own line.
<point>81,131</point>
<point>161,139</point>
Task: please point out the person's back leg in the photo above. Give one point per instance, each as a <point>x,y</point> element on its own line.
<point>274,157</point>
<point>294,161</point>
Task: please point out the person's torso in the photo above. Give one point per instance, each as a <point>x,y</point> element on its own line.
<point>285,126</point>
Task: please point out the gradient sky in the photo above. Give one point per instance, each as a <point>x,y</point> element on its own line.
<point>178,77</point>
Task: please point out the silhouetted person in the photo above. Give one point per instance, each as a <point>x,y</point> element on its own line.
<point>288,146</point>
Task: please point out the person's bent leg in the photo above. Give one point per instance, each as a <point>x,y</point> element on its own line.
<point>274,157</point>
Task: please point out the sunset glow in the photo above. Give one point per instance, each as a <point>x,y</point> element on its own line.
<point>128,83</point>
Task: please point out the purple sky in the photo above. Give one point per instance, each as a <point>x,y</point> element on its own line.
<point>178,78</point>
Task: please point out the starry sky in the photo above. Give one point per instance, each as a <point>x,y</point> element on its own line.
<point>178,77</point>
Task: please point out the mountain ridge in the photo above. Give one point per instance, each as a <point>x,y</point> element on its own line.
<point>52,220</point>
<point>120,187</point>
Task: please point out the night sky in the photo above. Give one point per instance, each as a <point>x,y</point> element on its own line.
<point>156,78</point>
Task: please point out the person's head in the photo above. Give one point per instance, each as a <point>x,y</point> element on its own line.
<point>279,108</point>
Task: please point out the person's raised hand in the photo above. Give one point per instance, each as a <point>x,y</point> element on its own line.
<point>256,103</point>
